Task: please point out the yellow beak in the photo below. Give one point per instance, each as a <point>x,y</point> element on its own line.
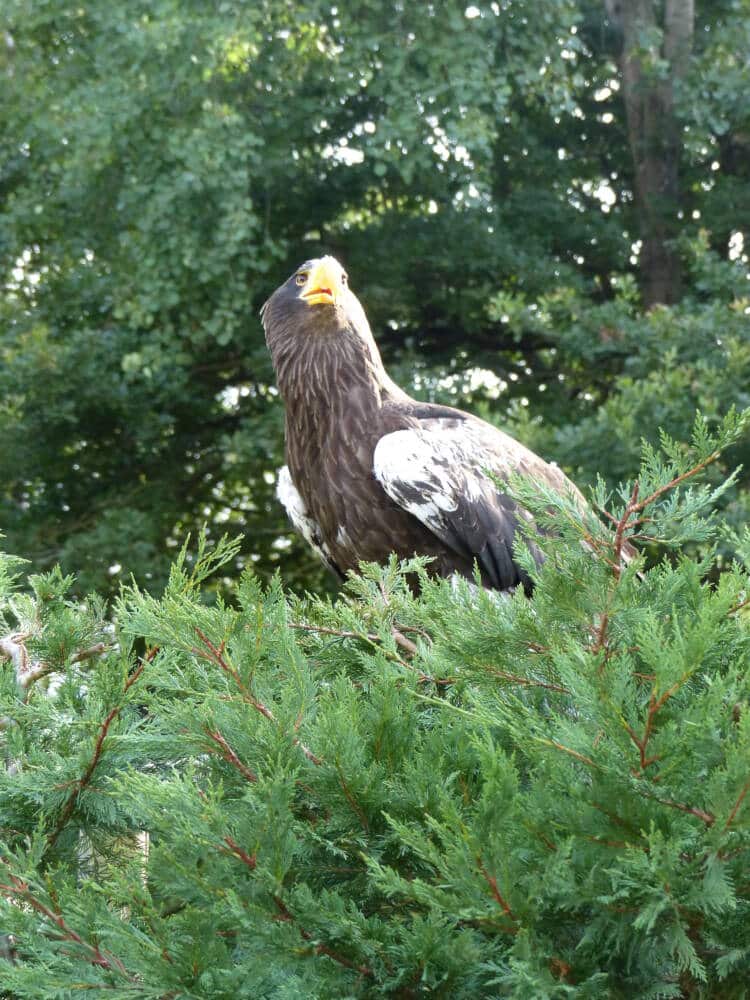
<point>323,285</point>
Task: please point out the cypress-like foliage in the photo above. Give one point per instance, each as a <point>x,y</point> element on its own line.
<point>450,794</point>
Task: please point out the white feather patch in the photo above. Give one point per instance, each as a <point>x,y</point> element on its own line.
<point>289,497</point>
<point>428,470</point>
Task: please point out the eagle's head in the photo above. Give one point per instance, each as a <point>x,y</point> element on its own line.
<point>319,338</point>
<point>314,302</point>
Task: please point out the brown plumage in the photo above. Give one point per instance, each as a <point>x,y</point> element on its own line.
<point>371,471</point>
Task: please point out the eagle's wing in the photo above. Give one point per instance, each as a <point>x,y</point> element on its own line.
<point>436,471</point>
<point>297,512</point>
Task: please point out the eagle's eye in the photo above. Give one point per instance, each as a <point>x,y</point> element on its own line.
<point>344,278</point>
<point>301,278</point>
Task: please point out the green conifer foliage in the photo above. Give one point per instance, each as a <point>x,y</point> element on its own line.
<point>451,794</point>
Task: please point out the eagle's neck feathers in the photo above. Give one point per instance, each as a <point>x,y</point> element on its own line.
<point>329,380</point>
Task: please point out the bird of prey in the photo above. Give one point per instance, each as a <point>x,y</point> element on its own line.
<point>371,471</point>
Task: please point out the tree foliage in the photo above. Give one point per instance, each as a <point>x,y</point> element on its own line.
<point>165,165</point>
<point>389,795</point>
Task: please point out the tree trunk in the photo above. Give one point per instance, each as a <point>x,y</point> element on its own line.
<point>653,57</point>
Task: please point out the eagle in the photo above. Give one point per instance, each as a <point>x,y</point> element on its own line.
<point>371,471</point>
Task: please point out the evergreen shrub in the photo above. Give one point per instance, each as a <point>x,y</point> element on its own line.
<point>452,794</point>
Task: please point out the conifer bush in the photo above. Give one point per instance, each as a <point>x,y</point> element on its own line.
<point>451,794</point>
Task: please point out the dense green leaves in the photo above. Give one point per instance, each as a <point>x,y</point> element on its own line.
<point>164,166</point>
<point>455,794</point>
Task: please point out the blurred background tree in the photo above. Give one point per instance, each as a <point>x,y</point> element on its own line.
<point>543,207</point>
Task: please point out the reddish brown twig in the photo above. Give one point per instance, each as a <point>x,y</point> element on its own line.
<point>16,887</point>
<point>635,506</point>
<point>403,642</point>
<point>618,844</point>
<point>523,681</point>
<point>573,753</point>
<point>630,508</point>
<point>287,916</point>
<point>132,678</point>
<point>84,780</point>
<point>601,638</point>
<point>232,847</point>
<point>676,482</point>
<point>437,681</point>
<point>739,606</point>
<point>708,818</point>
<point>617,820</point>
<point>341,633</point>
<point>497,895</point>
<point>88,654</point>
<point>737,804</point>
<point>230,756</point>
<point>215,654</point>
<point>654,705</point>
<point>81,783</point>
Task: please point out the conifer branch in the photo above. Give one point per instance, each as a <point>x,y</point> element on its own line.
<point>600,636</point>
<point>403,642</point>
<point>497,895</point>
<point>617,820</point>
<point>17,888</point>
<point>375,640</point>
<point>286,916</point>
<point>370,637</point>
<point>84,780</point>
<point>399,637</point>
<point>654,705</point>
<point>215,654</point>
<point>737,804</point>
<point>88,654</point>
<point>677,481</point>
<point>524,681</point>
<point>549,844</point>
<point>229,755</point>
<point>560,968</point>
<point>739,606</point>
<point>356,808</point>
<point>132,678</point>
<point>234,848</point>
<point>341,633</point>
<point>617,844</point>
<point>81,783</point>
<point>622,525</point>
<point>708,818</point>
<point>635,506</point>
<point>573,753</point>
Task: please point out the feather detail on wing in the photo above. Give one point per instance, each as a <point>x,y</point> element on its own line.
<point>437,472</point>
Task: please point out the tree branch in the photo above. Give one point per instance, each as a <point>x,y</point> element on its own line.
<point>737,804</point>
<point>17,888</point>
<point>287,916</point>
<point>232,847</point>
<point>497,895</point>
<point>81,783</point>
<point>230,756</point>
<point>356,808</point>
<point>215,654</point>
